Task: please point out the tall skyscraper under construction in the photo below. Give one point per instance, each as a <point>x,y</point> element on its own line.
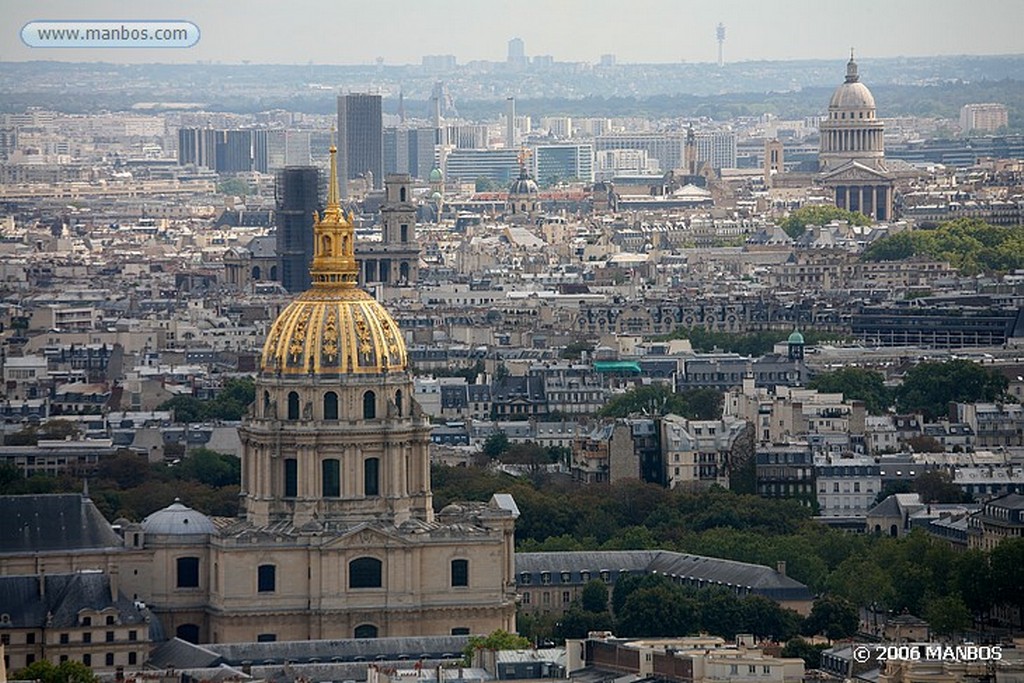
<point>360,139</point>
<point>298,196</point>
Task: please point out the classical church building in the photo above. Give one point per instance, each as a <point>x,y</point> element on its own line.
<point>851,159</point>
<point>337,536</point>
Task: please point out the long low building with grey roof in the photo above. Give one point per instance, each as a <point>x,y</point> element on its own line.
<point>549,582</point>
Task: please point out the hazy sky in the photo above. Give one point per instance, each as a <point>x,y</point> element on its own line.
<point>402,31</point>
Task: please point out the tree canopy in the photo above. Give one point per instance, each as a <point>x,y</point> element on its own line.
<point>856,384</point>
<point>929,387</point>
<point>229,404</point>
<point>797,221</point>
<point>969,244</point>
<point>659,399</point>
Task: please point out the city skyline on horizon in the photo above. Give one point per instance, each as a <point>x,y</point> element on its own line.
<point>400,33</point>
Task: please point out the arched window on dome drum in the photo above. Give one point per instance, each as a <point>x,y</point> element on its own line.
<point>293,405</point>
<point>331,474</point>
<point>371,477</point>
<point>365,631</point>
<point>369,405</point>
<point>398,402</point>
<point>364,572</point>
<point>266,403</point>
<point>330,406</point>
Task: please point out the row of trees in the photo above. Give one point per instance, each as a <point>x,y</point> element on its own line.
<point>126,485</point>
<point>917,573</point>
<point>927,388</point>
<point>660,399</point>
<point>970,245</point>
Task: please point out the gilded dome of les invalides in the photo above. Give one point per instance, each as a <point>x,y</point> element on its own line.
<point>334,328</point>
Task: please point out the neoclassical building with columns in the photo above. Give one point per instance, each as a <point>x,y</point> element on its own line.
<point>337,535</point>
<point>851,158</point>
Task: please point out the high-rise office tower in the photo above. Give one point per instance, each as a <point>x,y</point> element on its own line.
<point>298,196</point>
<point>516,52</point>
<point>360,139</point>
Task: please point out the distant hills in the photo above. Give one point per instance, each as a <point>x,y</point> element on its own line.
<point>935,86</point>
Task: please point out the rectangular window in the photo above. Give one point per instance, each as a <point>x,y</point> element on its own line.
<point>188,572</point>
<point>267,578</point>
<point>291,477</point>
<point>86,637</point>
<point>266,638</point>
<point>30,638</point>
<point>133,636</point>
<point>110,636</point>
<point>109,659</point>
<point>132,658</point>
<point>331,471</point>
<point>371,477</point>
<point>64,639</point>
<point>566,597</point>
<point>29,658</point>
<point>87,659</point>
<point>460,572</point>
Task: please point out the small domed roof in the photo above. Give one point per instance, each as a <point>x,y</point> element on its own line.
<point>521,186</point>
<point>436,176</point>
<point>178,520</point>
<point>436,196</point>
<point>796,338</point>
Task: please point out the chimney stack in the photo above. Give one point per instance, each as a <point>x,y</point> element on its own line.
<point>780,567</point>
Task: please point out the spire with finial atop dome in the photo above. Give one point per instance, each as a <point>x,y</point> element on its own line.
<point>334,256</point>
<point>851,70</point>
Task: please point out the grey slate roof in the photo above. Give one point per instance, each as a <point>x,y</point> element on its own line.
<point>65,596</point>
<point>694,569</point>
<point>60,521</point>
<point>181,654</point>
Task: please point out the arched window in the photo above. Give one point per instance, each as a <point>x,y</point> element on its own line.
<point>404,232</point>
<point>255,272</point>
<point>403,271</point>
<point>273,272</point>
<point>369,405</point>
<point>460,572</point>
<point>364,572</point>
<point>331,471</point>
<point>188,572</point>
<point>293,405</point>
<point>401,194</point>
<point>371,477</point>
<point>266,403</point>
<point>398,402</point>
<point>330,406</point>
<point>188,632</point>
<point>291,477</point>
<point>266,578</point>
<point>365,631</point>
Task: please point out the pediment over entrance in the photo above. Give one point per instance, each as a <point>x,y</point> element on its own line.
<point>855,172</point>
<point>366,536</point>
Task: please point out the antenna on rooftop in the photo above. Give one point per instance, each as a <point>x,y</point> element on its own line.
<point>720,34</point>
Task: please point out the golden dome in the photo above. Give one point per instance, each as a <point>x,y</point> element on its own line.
<point>334,328</point>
